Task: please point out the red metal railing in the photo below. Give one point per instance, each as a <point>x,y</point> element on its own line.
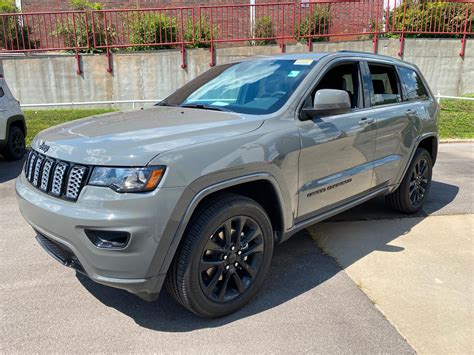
<point>44,31</point>
<point>436,18</point>
<point>208,26</point>
<point>142,29</point>
<point>255,24</point>
<point>341,20</point>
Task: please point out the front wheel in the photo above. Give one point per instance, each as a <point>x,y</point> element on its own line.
<point>411,194</point>
<point>224,257</point>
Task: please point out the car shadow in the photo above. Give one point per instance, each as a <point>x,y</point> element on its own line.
<point>298,266</point>
<point>441,195</point>
<point>9,170</point>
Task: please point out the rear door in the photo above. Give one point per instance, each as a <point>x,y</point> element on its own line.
<point>337,151</point>
<point>396,121</point>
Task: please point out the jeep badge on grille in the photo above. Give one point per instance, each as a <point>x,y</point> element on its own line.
<point>44,147</point>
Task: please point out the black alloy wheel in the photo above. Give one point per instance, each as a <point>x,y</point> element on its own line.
<point>231,259</point>
<point>418,182</point>
<point>411,194</point>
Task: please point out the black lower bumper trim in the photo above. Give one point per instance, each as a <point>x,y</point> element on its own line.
<point>60,252</point>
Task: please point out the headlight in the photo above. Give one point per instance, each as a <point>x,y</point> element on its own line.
<point>127,179</point>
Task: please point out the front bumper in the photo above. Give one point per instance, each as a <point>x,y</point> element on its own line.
<point>144,216</point>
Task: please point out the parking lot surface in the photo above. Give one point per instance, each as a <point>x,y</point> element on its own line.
<point>418,271</point>
<point>308,303</point>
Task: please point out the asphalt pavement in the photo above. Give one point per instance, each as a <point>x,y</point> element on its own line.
<point>308,303</point>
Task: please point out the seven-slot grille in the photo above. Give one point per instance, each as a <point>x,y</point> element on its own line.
<point>56,177</point>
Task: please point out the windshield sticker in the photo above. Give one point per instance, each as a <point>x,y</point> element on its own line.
<point>219,103</point>
<point>303,62</point>
<point>293,73</point>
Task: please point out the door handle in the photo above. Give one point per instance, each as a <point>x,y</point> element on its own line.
<point>411,112</point>
<point>366,121</point>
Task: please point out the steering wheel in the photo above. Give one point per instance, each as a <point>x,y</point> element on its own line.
<point>278,94</point>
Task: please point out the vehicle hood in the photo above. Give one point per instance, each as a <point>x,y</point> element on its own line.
<point>134,138</point>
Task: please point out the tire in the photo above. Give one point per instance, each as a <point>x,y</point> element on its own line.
<point>411,194</point>
<point>15,147</point>
<point>205,273</point>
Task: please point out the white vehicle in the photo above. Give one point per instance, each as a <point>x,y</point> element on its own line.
<point>12,125</point>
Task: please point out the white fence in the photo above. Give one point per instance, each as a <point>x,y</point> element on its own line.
<point>141,103</point>
<point>134,103</point>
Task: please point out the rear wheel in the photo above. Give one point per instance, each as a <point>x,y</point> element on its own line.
<point>15,147</point>
<point>224,257</point>
<point>411,194</point>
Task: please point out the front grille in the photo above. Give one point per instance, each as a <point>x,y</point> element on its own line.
<point>56,177</point>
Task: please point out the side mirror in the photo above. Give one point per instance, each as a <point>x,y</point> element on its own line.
<point>327,102</point>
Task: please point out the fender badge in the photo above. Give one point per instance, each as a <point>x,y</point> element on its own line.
<point>44,147</point>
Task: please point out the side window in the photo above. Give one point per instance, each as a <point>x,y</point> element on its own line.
<point>2,93</point>
<point>385,88</point>
<point>413,85</point>
<point>341,77</point>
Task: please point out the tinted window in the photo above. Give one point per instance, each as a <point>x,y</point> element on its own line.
<point>385,88</point>
<point>413,85</point>
<point>2,93</point>
<point>342,77</point>
<point>254,87</point>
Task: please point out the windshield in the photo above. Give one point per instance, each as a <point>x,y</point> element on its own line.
<point>253,87</point>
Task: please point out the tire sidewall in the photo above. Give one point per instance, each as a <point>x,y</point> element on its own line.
<point>198,300</point>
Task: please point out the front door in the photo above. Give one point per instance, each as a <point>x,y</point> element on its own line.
<point>336,160</point>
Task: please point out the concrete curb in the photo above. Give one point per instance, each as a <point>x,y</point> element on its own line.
<point>456,140</point>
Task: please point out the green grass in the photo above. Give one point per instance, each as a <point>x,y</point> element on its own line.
<point>36,121</point>
<point>457,118</point>
<point>456,121</point>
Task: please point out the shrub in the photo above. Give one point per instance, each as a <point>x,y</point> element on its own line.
<point>200,34</point>
<point>263,28</point>
<point>81,5</point>
<point>430,16</point>
<point>152,28</point>
<point>14,34</point>
<point>84,33</point>
<point>315,23</point>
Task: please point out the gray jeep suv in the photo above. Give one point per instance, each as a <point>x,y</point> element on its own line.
<point>195,192</point>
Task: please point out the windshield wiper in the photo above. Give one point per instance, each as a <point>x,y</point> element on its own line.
<point>205,107</point>
<point>165,103</point>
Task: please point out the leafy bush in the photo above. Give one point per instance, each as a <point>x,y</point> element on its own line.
<point>263,28</point>
<point>430,16</point>
<point>152,28</point>
<point>81,5</point>
<point>315,23</point>
<point>200,33</point>
<point>84,32</point>
<point>14,35</point>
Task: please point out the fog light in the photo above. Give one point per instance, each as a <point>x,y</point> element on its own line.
<point>108,239</point>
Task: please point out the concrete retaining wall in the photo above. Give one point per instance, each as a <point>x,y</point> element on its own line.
<point>151,75</point>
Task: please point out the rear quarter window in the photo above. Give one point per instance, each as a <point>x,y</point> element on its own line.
<point>413,86</point>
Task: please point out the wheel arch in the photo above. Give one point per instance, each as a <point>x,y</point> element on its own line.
<point>244,185</point>
<point>430,143</point>
<point>18,121</point>
<point>427,140</point>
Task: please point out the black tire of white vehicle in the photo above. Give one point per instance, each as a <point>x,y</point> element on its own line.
<point>412,192</point>
<point>15,147</point>
<point>224,257</point>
